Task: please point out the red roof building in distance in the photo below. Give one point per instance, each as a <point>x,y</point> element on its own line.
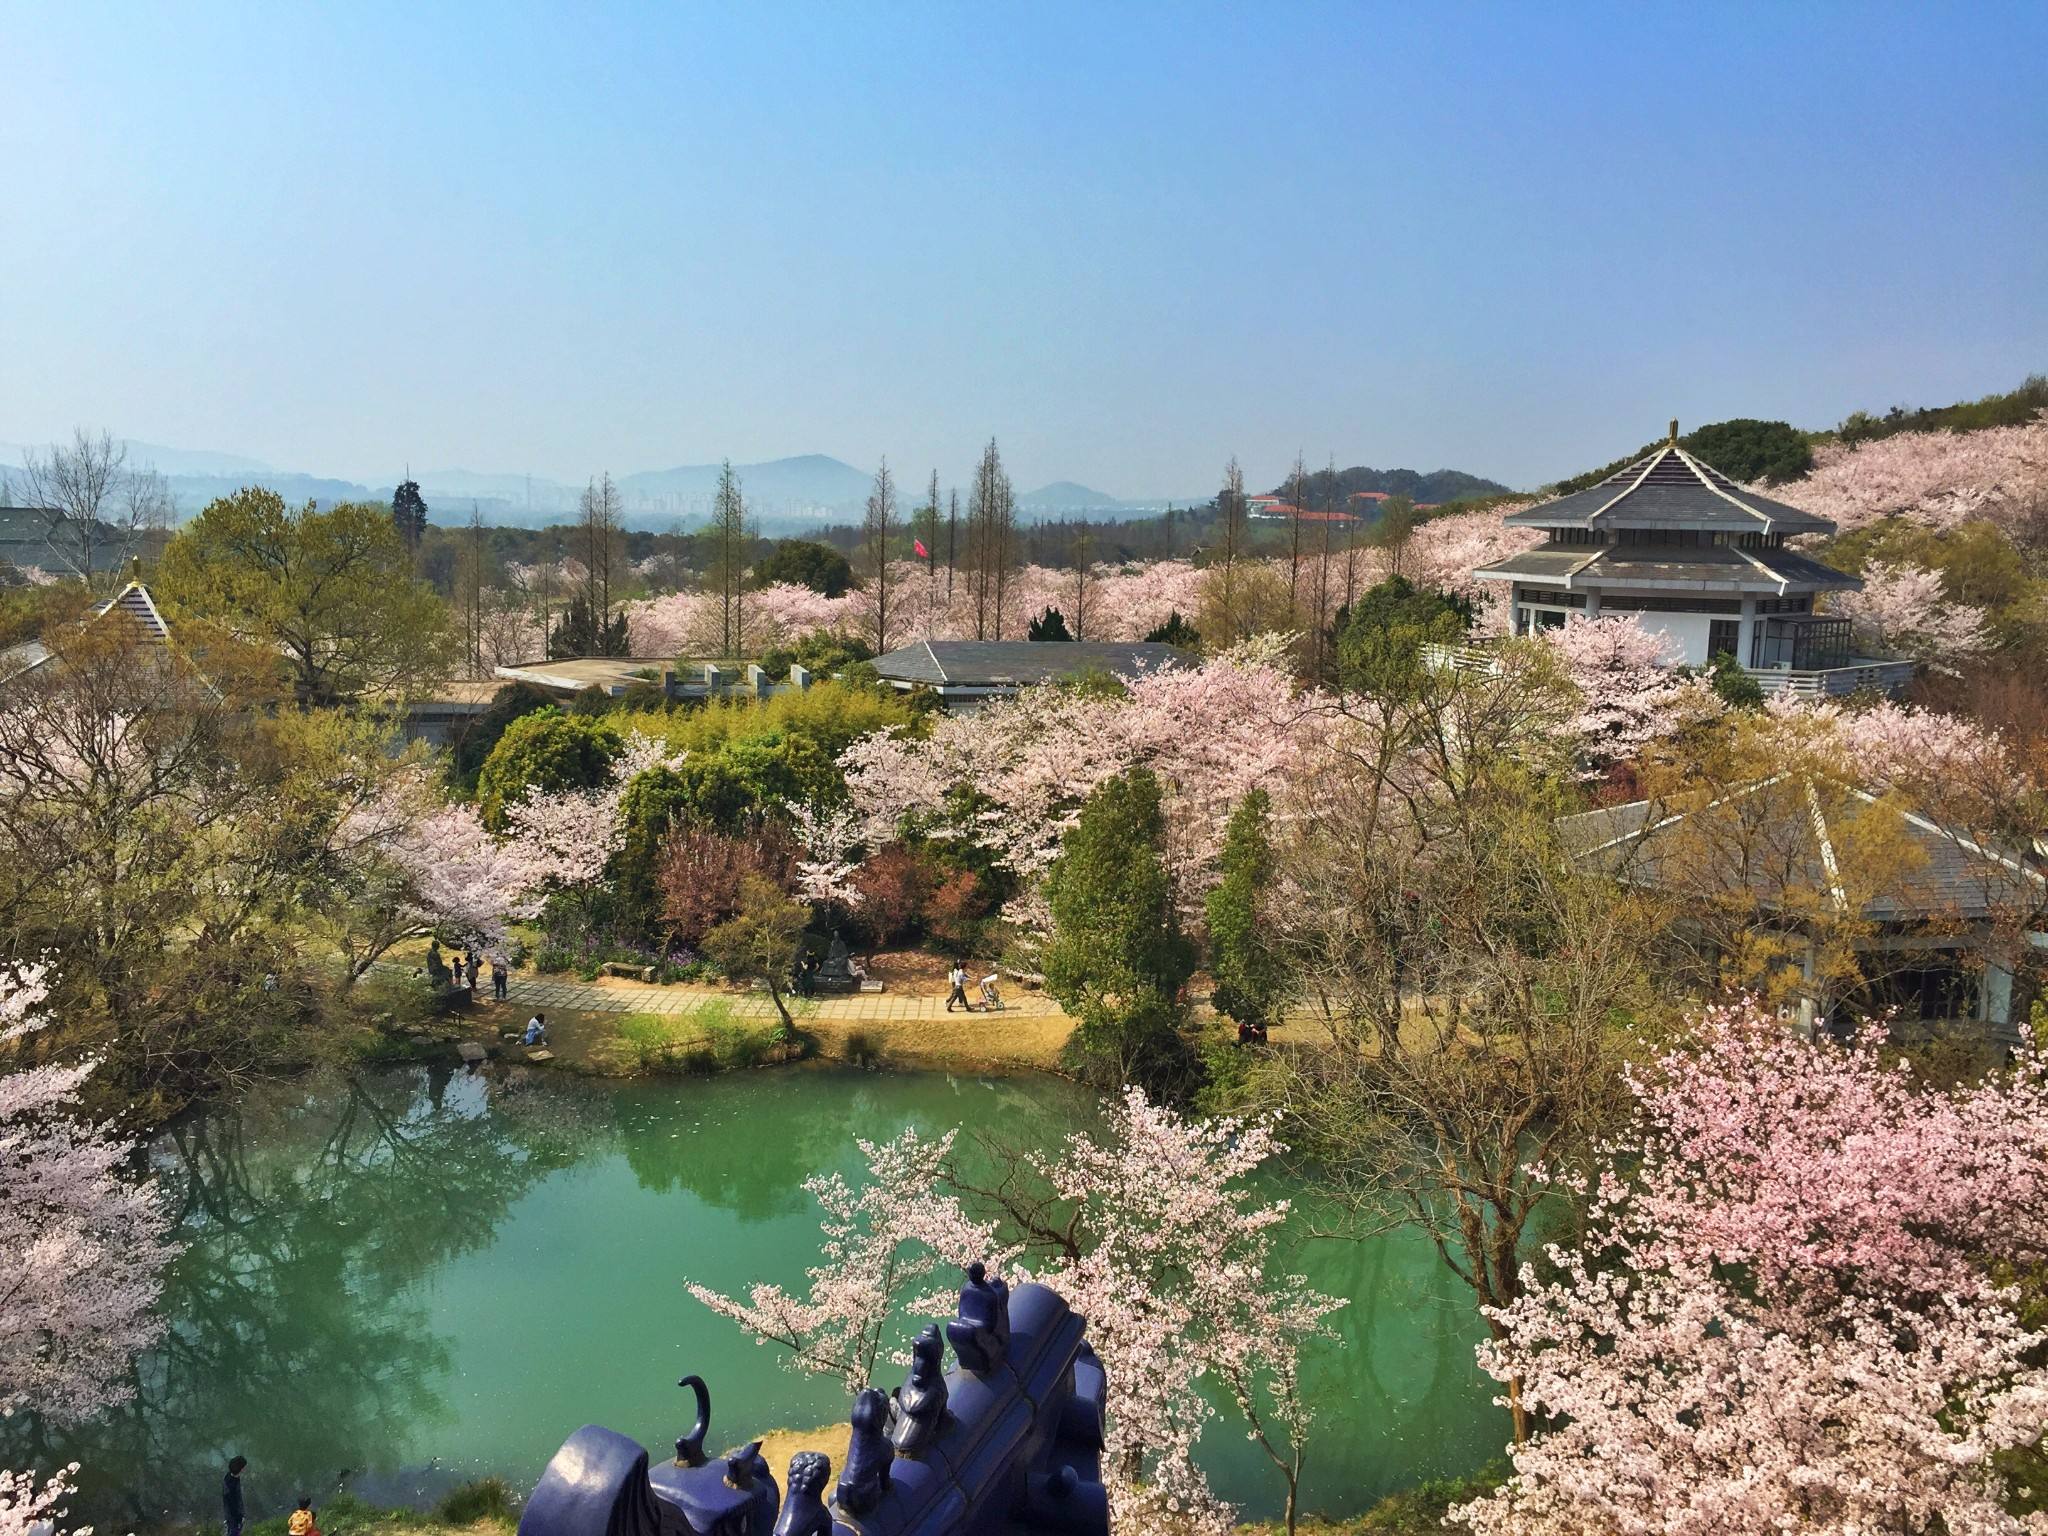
<point>1367,496</point>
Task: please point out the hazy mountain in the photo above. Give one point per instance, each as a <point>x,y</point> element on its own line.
<point>167,461</point>
<point>536,491</point>
<point>1066,496</point>
<point>809,482</point>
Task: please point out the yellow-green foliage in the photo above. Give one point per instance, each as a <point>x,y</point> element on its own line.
<point>833,714</point>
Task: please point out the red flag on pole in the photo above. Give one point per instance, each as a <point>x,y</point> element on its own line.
<point>922,552</point>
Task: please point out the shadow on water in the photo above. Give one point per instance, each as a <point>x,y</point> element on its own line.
<point>416,1277</point>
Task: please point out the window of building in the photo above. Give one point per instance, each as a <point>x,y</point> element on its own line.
<point>1724,638</point>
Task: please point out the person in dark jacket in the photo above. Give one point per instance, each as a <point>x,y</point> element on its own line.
<point>231,1496</point>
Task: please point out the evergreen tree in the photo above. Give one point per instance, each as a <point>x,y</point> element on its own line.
<point>579,633</point>
<point>1176,631</point>
<point>1049,625</point>
<point>730,537</point>
<point>409,512</point>
<point>1249,977</point>
<point>1117,960</point>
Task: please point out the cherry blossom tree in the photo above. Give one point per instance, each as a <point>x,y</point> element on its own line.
<point>883,1244</point>
<point>1633,695</point>
<point>1012,777</point>
<point>28,1508</point>
<point>685,624</point>
<point>1156,1234</point>
<point>1904,610</point>
<point>1444,551</point>
<point>1784,1315</point>
<point>1936,478</point>
<point>576,832</point>
<point>86,1247</point>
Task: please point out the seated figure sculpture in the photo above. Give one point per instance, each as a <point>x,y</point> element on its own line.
<point>980,1335</point>
<point>835,972</point>
<point>918,1410</point>
<point>868,1454</point>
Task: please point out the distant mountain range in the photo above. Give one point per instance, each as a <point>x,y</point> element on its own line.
<point>785,495</point>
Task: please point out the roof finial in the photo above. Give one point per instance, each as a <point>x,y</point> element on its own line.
<point>1674,431</point>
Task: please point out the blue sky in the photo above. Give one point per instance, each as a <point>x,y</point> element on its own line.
<point>1127,240</point>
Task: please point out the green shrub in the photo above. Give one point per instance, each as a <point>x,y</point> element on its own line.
<point>485,1499</point>
<point>552,960</point>
<point>863,1049</point>
<point>736,1044</point>
<point>547,751</point>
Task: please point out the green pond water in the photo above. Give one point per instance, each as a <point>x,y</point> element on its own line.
<point>404,1281</point>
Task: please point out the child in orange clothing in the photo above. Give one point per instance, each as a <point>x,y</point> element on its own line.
<point>301,1523</point>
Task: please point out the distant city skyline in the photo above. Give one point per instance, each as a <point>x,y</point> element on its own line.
<point>1127,241</point>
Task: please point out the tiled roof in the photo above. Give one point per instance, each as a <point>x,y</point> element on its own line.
<point>1643,565</point>
<point>25,539</point>
<point>1018,663</point>
<point>134,602</point>
<point>1670,489</point>
<point>1784,833</point>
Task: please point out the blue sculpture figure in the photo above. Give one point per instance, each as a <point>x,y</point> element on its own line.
<point>1010,1441</point>
<point>981,1333</point>
<point>918,1410</point>
<point>803,1511</point>
<point>868,1455</point>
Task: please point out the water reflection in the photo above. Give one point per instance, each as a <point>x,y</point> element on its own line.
<point>421,1276</point>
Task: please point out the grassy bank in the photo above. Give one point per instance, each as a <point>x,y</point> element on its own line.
<point>485,1508</point>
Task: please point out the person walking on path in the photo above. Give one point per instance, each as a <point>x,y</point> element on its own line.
<point>474,965</point>
<point>500,977</point>
<point>957,979</point>
<point>231,1496</point>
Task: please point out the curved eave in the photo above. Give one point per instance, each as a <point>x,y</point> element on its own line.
<point>1670,490</point>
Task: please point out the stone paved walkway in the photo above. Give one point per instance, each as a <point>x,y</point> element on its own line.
<point>616,996</point>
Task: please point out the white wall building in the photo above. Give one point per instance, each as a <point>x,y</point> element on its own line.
<point>1677,543</point>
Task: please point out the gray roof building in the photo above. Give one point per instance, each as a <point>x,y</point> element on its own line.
<point>1701,561</point>
<point>1674,491</point>
<point>1952,923</point>
<point>30,536</point>
<point>963,672</point>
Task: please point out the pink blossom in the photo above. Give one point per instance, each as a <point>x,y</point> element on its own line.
<point>1889,745</point>
<point>31,1509</point>
<point>1175,1276</point>
<point>85,1246</point>
<point>1211,733</point>
<point>1904,610</point>
<point>576,832</point>
<point>882,1243</point>
<point>1782,1316</point>
<point>1444,551</point>
<point>1936,478</point>
<point>1633,695</point>
<point>688,624</point>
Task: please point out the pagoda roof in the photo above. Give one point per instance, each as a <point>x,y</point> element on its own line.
<point>1784,829</point>
<point>1670,489</point>
<point>1650,567</point>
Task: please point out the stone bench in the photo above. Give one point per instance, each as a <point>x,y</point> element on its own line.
<point>628,972</point>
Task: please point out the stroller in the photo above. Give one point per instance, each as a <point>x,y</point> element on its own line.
<point>991,999</point>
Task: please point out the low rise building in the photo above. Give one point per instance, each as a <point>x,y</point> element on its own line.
<point>1700,559</point>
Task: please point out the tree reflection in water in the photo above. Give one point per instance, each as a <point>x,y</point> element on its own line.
<point>298,1335</point>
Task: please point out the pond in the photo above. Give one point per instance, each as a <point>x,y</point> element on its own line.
<point>411,1279</point>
